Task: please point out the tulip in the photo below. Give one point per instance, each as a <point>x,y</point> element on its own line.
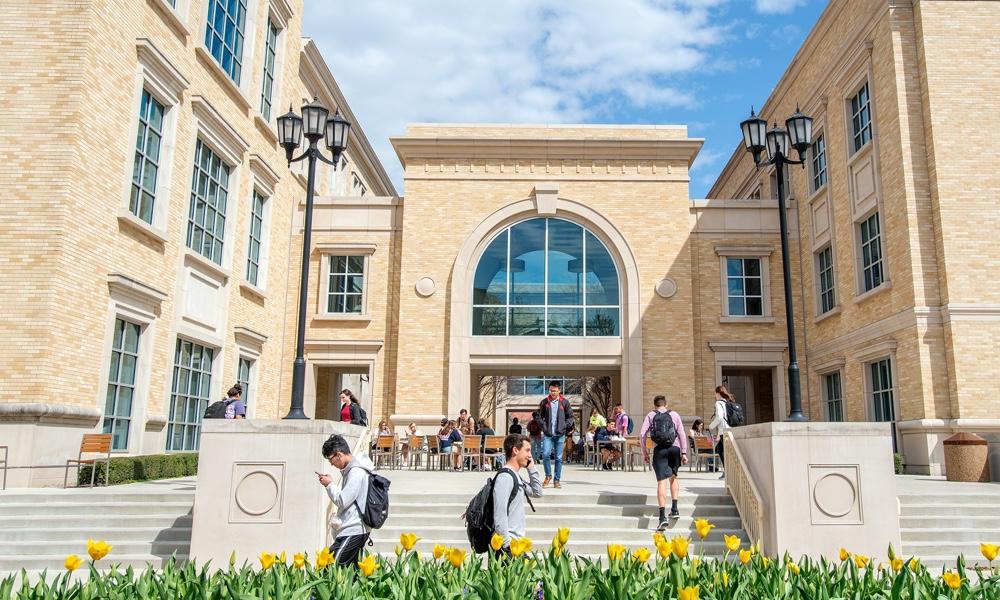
<point>562,534</point>
<point>641,555</point>
<point>456,556</point>
<point>73,562</point>
<point>794,568</point>
<point>557,551</point>
<point>232,559</point>
<point>954,580</point>
<point>896,564</point>
<point>324,558</point>
<point>765,561</point>
<point>266,560</point>
<point>299,560</point>
<point>496,542</point>
<point>519,546</point>
<point>745,556</point>
<point>440,551</point>
<point>665,550</point>
<point>680,545</point>
<point>408,541</point>
<point>615,551</point>
<point>732,542</point>
<point>688,593</point>
<point>861,561</point>
<point>989,551</point>
<point>368,565</point>
<point>703,527</point>
<point>282,558</point>
<point>844,554</point>
<point>97,550</point>
<point>659,539</point>
<point>725,579</point>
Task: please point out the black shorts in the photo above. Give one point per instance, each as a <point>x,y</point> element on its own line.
<point>666,462</point>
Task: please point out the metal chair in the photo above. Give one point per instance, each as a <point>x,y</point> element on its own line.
<point>385,447</point>
<point>472,449</point>
<point>434,450</point>
<point>416,450</point>
<point>92,443</point>
<point>704,449</point>
<point>495,443</point>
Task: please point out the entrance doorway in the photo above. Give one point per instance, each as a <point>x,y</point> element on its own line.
<point>329,383</point>
<point>754,391</point>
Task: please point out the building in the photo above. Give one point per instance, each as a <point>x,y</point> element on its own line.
<point>898,313</point>
<point>148,213</point>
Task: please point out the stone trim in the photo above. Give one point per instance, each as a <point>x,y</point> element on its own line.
<point>734,346</point>
<point>37,412</point>
<point>746,251</point>
<point>353,248</point>
<point>248,337</point>
<point>970,312</point>
<point>125,285</point>
<point>264,175</point>
<point>281,11</point>
<point>828,366</point>
<point>159,73</point>
<point>219,133</point>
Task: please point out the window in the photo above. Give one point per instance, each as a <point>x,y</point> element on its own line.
<point>538,385</point>
<point>256,237</point>
<point>834,397</point>
<point>824,267</point>
<point>745,290</point>
<point>546,277</point>
<point>861,118</point>
<point>754,195</point>
<point>358,187</point>
<point>871,253</point>
<point>243,371</point>
<point>267,87</point>
<point>147,157</point>
<point>207,213</point>
<point>818,163</point>
<point>224,34</point>
<point>189,394</point>
<point>121,383</point>
<point>346,285</point>
<point>883,404</point>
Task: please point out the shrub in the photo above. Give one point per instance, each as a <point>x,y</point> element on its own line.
<point>900,465</point>
<point>150,467</point>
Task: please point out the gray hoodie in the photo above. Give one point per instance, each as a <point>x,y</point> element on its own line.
<point>353,488</point>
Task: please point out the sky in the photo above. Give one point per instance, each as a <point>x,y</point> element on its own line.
<point>700,63</point>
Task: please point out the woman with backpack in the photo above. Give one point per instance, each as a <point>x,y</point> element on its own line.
<point>350,409</point>
<point>720,423</point>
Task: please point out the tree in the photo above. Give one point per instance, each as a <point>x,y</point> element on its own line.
<point>597,394</point>
<point>492,395</point>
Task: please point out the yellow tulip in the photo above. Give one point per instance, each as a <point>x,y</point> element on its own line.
<point>989,551</point>
<point>688,593</point>
<point>299,560</point>
<point>562,534</point>
<point>456,556</point>
<point>954,580</point>
<point>703,527</point>
<point>496,542</point>
<point>519,546</point>
<point>73,562</point>
<point>97,550</point>
<point>557,551</point>
<point>861,561</point>
<point>368,565</point>
<point>680,545</point>
<point>659,539</point>
<point>615,551</point>
<point>266,560</point>
<point>745,556</point>
<point>665,549</point>
<point>641,555</point>
<point>794,568</point>
<point>324,558</point>
<point>440,550</point>
<point>725,579</point>
<point>844,554</point>
<point>283,559</point>
<point>408,541</point>
<point>765,561</point>
<point>896,564</point>
<point>732,542</point>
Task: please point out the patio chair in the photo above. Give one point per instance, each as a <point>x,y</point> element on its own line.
<point>417,450</point>
<point>434,452</point>
<point>472,451</point>
<point>704,450</point>
<point>494,443</point>
<point>92,443</point>
<point>385,448</point>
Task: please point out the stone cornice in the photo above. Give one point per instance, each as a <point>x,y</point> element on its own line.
<point>37,412</point>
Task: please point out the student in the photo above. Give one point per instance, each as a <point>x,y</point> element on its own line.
<point>719,423</point>
<point>350,409</point>
<point>515,426</point>
<point>556,419</point>
<point>235,409</point>
<point>411,431</point>
<point>611,453</point>
<point>451,443</point>
<point>698,431</point>
<point>668,456</point>
<point>535,435</point>
<point>466,424</point>
<point>508,516</point>
<point>482,431</point>
<point>351,497</point>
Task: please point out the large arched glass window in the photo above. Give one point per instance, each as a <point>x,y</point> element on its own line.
<point>546,277</point>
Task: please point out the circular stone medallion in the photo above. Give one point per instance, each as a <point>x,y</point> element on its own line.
<point>666,288</point>
<point>257,493</point>
<point>835,495</point>
<point>425,286</point>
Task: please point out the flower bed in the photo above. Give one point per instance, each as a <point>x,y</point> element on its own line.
<point>670,569</point>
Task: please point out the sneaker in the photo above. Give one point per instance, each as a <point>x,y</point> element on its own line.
<point>674,515</point>
<point>723,476</point>
<point>664,524</point>
<point>557,484</point>
<point>547,481</point>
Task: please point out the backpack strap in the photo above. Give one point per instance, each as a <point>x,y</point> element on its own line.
<point>355,503</point>
<point>518,485</point>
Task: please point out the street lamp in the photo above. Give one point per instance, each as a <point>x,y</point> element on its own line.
<point>316,124</point>
<point>778,143</point>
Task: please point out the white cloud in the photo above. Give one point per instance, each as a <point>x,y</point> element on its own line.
<point>518,61</point>
<point>777,6</point>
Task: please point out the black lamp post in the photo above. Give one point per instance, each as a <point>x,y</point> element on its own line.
<point>316,124</point>
<point>778,142</point>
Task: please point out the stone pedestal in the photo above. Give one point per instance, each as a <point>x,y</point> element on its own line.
<point>824,486</point>
<point>257,488</point>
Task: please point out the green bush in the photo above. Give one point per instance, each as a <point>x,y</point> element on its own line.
<point>150,467</point>
<point>900,466</point>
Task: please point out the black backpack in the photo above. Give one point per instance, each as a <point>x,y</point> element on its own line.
<point>362,415</point>
<point>217,410</point>
<point>734,414</point>
<point>377,505</point>
<point>662,429</point>
<point>479,513</point>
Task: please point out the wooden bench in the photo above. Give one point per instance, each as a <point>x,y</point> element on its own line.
<point>93,443</point>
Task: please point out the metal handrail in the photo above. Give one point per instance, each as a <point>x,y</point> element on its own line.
<point>743,490</point>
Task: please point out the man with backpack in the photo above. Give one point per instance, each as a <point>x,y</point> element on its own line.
<point>230,408</point>
<point>666,430</point>
<point>557,420</point>
<point>357,511</point>
<point>535,435</point>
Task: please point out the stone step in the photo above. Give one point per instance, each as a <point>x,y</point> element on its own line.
<point>571,521</point>
<point>63,548</point>
<point>908,521</point>
<point>563,497</point>
<point>87,510</point>
<point>707,511</point>
<point>576,547</point>
<point>87,496</point>
<point>545,532</point>
<point>943,548</point>
<point>949,536</point>
<point>906,500</point>
<point>54,564</point>
<point>970,510</point>
<point>80,535</point>
<point>97,521</point>
<point>940,562</point>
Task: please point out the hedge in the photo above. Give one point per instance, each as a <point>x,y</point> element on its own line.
<point>150,467</point>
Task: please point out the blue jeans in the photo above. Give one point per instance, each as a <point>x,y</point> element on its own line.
<point>552,443</point>
<point>536,449</point>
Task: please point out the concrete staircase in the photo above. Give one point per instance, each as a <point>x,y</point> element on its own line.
<point>595,520</point>
<point>39,528</point>
<point>937,527</point>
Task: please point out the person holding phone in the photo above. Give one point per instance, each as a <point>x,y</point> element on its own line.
<point>508,515</point>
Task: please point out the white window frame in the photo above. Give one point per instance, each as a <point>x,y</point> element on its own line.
<point>828,401</point>
<point>249,383</point>
<point>862,292</point>
<point>761,252</point>
<point>326,251</point>
<point>818,265</point>
<point>849,111</point>
<point>249,346</point>
<point>264,180</point>
<point>358,184</point>
<point>280,13</point>
<point>813,172</point>
<point>213,391</point>
<point>893,391</point>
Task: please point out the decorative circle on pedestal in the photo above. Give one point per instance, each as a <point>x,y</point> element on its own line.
<point>666,288</point>
<point>834,494</point>
<point>425,286</point>
<point>257,493</point>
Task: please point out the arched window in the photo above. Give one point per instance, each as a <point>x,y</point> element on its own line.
<point>546,277</point>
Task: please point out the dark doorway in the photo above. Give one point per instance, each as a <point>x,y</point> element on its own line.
<point>754,390</point>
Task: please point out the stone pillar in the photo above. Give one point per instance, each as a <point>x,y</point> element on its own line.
<point>257,489</point>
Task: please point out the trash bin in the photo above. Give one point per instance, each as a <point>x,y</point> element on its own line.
<point>966,458</point>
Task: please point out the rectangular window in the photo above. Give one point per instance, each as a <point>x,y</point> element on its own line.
<point>834,397</point>
<point>358,187</point>
<point>207,213</point>
<point>346,284</point>
<point>256,237</point>
<point>871,253</point>
<point>744,288</point>
<point>147,157</point>
<point>818,163</point>
<point>861,117</point>
<point>189,394</point>
<point>827,295</point>
<point>243,371</point>
<point>267,88</point>
<point>121,383</point>
<point>883,404</point>
<point>224,34</point>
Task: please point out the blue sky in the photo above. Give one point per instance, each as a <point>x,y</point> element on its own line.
<point>701,63</point>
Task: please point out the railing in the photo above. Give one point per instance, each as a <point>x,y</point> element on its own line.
<point>744,492</point>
